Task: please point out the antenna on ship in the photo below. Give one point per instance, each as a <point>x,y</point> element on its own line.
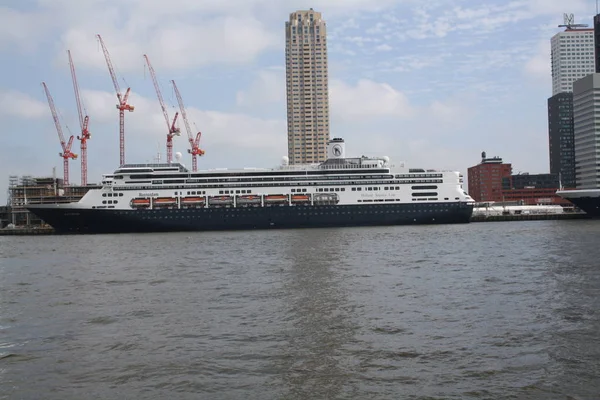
<point>157,159</point>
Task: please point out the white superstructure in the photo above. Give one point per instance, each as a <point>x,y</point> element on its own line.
<point>338,181</point>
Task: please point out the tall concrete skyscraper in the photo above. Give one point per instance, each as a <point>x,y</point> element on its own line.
<point>572,53</point>
<point>562,138</point>
<point>307,87</point>
<point>586,110</point>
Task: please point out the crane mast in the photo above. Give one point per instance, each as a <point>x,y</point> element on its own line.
<point>171,128</point>
<point>66,146</point>
<point>122,106</point>
<point>194,143</point>
<point>83,123</point>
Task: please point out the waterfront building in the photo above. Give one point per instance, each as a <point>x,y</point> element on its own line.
<point>561,138</point>
<point>586,118</point>
<point>485,179</point>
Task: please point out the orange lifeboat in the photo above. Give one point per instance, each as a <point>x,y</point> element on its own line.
<point>165,201</point>
<point>193,200</point>
<point>140,203</point>
<point>248,200</point>
<point>300,198</point>
<point>220,201</point>
<point>276,199</point>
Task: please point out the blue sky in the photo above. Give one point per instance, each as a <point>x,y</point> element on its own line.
<point>432,83</point>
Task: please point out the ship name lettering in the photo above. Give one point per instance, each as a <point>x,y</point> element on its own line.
<point>148,194</point>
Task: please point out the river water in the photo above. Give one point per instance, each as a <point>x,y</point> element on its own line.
<point>506,310</point>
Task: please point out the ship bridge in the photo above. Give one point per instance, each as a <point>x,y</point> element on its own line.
<point>163,167</point>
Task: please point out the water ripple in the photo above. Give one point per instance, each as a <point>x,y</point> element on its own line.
<point>479,311</point>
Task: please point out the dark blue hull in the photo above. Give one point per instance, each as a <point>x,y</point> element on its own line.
<point>73,220</point>
<point>590,205</point>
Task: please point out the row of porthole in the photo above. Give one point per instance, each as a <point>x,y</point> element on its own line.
<point>309,214</point>
<point>300,211</point>
<point>112,194</point>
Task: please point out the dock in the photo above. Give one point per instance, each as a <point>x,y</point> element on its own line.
<point>27,231</point>
<point>528,217</point>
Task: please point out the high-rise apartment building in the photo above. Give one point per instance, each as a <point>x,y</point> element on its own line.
<point>561,138</point>
<point>307,87</point>
<point>572,53</point>
<point>586,117</point>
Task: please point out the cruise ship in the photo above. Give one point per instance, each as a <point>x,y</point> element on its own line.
<point>587,200</point>
<point>341,191</point>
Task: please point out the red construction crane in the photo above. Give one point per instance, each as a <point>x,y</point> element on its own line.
<point>172,129</point>
<point>194,143</point>
<point>66,154</point>
<point>83,124</point>
<point>122,106</point>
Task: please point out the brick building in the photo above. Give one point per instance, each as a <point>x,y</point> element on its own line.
<point>533,189</point>
<point>485,178</point>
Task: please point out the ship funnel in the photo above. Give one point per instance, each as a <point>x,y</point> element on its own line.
<point>336,148</point>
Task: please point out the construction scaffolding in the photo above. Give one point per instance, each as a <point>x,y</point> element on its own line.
<point>29,190</point>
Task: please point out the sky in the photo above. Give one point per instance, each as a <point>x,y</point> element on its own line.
<point>429,83</point>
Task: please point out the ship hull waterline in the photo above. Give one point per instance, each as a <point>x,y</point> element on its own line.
<point>586,200</point>
<point>65,219</point>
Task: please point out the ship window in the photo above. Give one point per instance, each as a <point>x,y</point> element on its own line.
<point>103,194</point>
<point>354,189</point>
<point>293,190</point>
<point>456,198</point>
<point>445,198</point>
<point>220,192</point>
<point>424,187</point>
<point>424,194</point>
<point>115,202</point>
<point>103,201</point>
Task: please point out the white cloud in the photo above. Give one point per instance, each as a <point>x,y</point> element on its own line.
<point>22,30</point>
<point>538,66</point>
<point>19,104</point>
<point>384,47</point>
<point>367,99</point>
<point>452,111</point>
<point>229,40</point>
<point>268,87</point>
<point>177,34</point>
